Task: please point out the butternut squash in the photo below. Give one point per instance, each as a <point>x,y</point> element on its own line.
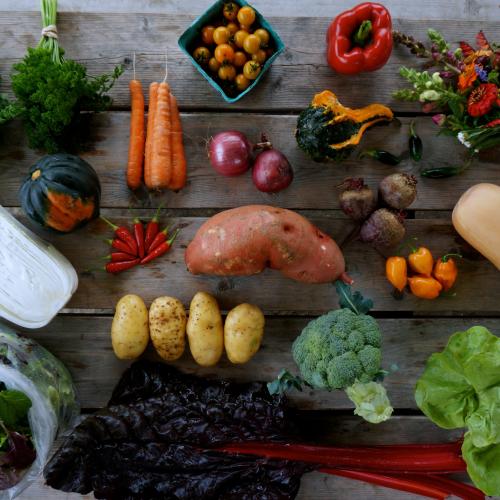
<point>476,219</point>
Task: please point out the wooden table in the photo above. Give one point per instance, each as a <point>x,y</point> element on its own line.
<point>413,329</point>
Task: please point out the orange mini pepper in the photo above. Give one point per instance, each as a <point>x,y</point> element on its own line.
<point>396,272</point>
<point>445,271</point>
<point>421,261</point>
<point>425,287</point>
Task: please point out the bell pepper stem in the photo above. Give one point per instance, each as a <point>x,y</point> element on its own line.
<point>446,257</point>
<point>363,33</point>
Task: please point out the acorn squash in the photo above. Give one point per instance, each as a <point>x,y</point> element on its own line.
<point>62,192</point>
<point>327,129</point>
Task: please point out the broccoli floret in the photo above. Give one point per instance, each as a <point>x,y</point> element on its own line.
<point>338,350</point>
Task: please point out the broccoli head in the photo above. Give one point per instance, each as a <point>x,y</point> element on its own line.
<point>341,350</point>
<point>338,349</point>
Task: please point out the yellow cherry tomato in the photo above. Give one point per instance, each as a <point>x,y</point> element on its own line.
<point>201,55</point>
<point>232,27</point>
<point>224,53</point>
<point>214,65</point>
<point>242,82</point>
<point>246,15</point>
<point>230,11</point>
<point>221,35</point>
<point>251,70</point>
<point>263,35</point>
<point>246,28</point>
<point>227,72</point>
<point>260,56</point>
<point>207,35</point>
<point>251,44</point>
<point>240,59</point>
<point>239,38</point>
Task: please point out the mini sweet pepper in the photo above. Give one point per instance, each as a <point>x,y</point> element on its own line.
<point>360,39</point>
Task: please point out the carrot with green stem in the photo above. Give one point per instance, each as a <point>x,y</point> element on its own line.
<point>153,101</point>
<point>178,179</point>
<point>137,134</point>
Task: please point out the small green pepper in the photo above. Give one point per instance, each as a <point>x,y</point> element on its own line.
<point>442,172</point>
<point>381,156</point>
<point>415,144</point>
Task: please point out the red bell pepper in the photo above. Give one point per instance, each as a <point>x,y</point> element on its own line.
<point>360,39</point>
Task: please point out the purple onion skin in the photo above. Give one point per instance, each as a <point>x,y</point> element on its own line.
<point>271,171</point>
<point>230,153</point>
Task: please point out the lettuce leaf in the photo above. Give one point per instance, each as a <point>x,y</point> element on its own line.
<point>483,465</point>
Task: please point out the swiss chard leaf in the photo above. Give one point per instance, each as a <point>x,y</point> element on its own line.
<point>355,302</point>
<point>14,406</point>
<point>284,382</point>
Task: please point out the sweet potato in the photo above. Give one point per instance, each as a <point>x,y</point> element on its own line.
<point>245,240</point>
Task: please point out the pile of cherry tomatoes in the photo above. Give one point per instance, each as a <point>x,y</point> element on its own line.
<point>234,50</point>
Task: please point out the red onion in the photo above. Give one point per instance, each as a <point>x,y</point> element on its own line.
<point>230,153</point>
<point>272,171</point>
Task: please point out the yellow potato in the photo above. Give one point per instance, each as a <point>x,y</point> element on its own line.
<point>243,332</point>
<point>204,330</point>
<point>130,329</point>
<point>167,327</point>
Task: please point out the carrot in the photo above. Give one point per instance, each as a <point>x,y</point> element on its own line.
<point>153,99</point>
<point>137,136</point>
<point>161,148</point>
<point>178,179</point>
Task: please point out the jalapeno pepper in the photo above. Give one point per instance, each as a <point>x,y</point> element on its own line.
<point>421,261</point>
<point>425,287</point>
<point>360,39</point>
<point>396,272</point>
<point>415,144</point>
<point>445,271</point>
<point>381,156</point>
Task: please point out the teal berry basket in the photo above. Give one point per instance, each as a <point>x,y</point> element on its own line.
<point>190,39</point>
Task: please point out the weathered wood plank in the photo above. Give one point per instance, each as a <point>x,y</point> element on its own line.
<point>83,344</point>
<point>428,9</point>
<point>104,40</point>
<point>270,290</point>
<point>314,186</point>
<point>317,486</point>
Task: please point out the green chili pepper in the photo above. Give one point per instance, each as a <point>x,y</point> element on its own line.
<point>381,156</point>
<point>442,172</point>
<point>415,144</point>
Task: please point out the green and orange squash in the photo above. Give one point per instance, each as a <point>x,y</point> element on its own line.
<point>327,129</point>
<point>62,192</point>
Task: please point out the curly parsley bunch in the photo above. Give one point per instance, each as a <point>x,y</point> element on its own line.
<point>52,91</point>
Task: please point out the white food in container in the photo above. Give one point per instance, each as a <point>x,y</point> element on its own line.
<point>36,280</point>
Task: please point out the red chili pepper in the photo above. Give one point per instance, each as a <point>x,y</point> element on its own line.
<point>152,229</point>
<point>160,238</point>
<point>139,237</point>
<point>160,249</point>
<point>360,39</point>
<point>124,234</point>
<point>121,246</point>
<point>118,267</point>
<point>119,257</point>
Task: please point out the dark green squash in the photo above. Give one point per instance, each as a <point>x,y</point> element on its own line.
<point>61,192</point>
<point>327,129</point>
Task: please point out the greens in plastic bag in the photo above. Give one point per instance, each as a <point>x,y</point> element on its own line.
<point>27,368</point>
<point>460,387</point>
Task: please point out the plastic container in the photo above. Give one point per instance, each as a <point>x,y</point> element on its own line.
<point>187,42</point>
<point>36,280</point>
<point>28,367</point>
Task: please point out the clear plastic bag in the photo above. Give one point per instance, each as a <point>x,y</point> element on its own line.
<point>28,367</point>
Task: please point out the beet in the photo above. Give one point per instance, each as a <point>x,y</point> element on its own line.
<point>357,200</point>
<point>398,190</point>
<point>383,228</point>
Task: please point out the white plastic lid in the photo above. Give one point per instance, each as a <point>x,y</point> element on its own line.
<point>36,280</point>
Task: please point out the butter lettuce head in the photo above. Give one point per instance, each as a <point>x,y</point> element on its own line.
<point>460,387</point>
